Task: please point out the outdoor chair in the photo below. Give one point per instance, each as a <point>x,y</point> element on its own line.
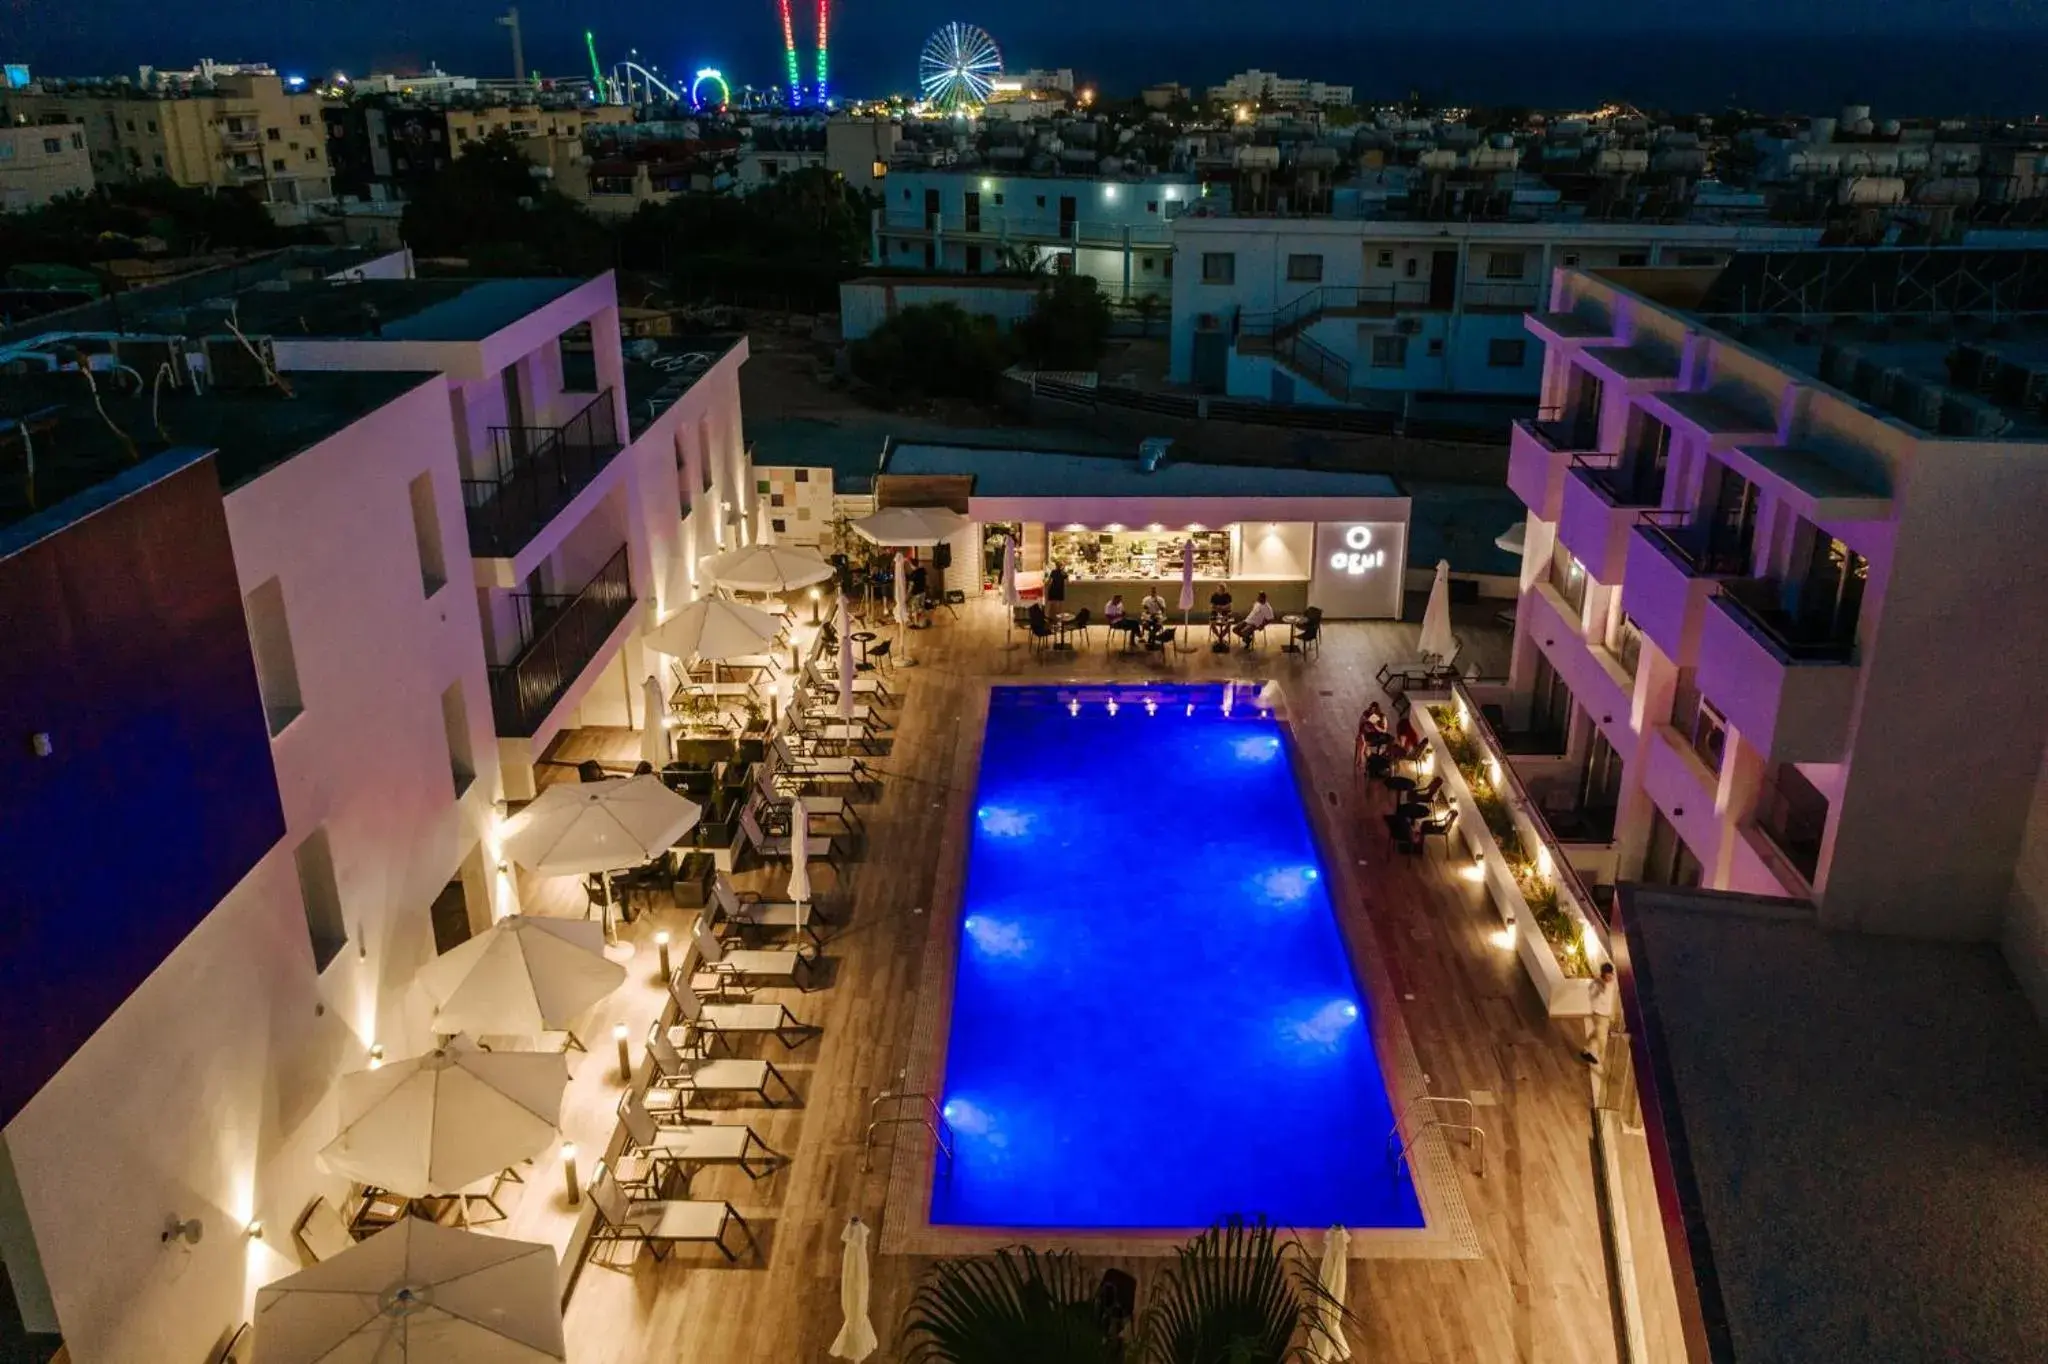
<point>772,848</point>
<point>321,1234</point>
<point>723,968</point>
<point>678,1078</point>
<point>724,1022</point>
<point>1437,826</point>
<point>685,1147</point>
<point>745,910</point>
<point>1162,641</point>
<point>661,1223</point>
<point>1309,639</point>
<point>590,769</point>
<point>796,769</point>
<point>1079,624</point>
<point>1041,633</point>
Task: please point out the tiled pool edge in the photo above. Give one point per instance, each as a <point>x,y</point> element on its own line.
<point>1447,1232</point>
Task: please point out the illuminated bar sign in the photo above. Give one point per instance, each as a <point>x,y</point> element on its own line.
<point>1358,568</point>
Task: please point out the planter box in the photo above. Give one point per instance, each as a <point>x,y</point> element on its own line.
<point>693,881</point>
<point>1563,996</point>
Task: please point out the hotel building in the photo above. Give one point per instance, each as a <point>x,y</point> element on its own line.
<point>1780,551</point>
<point>285,641</point>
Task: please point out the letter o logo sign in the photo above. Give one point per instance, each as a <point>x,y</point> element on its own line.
<point>1358,537</point>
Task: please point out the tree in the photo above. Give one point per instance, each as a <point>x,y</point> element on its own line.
<point>932,351</point>
<point>489,207</point>
<point>793,240</point>
<point>1022,258</point>
<point>1069,327</point>
<point>110,222</point>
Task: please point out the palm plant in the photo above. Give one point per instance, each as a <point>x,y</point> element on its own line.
<point>1236,1294</point>
<point>1017,1306</point>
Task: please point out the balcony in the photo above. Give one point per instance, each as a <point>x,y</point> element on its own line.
<point>538,470</point>
<point>1674,563</point>
<point>1539,451</point>
<point>1792,817</point>
<point>1039,229</point>
<point>1493,296</point>
<point>1603,499</point>
<point>1787,688</point>
<point>568,632</point>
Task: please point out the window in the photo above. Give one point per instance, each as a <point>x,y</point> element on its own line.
<point>272,134</point>
<point>152,125</point>
<point>277,163</point>
<point>1570,259</point>
<point>803,475</point>
<point>1550,710</point>
<point>1669,862</point>
<point>778,524</point>
<point>270,642</point>
<point>1409,267</point>
<point>1568,576</point>
<point>1504,264</point>
<point>6,151</point>
<point>1628,645</point>
<point>1794,814</point>
<point>305,120</point>
<point>1702,727</point>
<point>322,897</point>
<point>974,259</point>
<point>1698,258</point>
<point>774,499</point>
<point>78,142</point>
<point>1389,351</point>
<point>426,534</point>
<point>1145,264</point>
<point>998,199</point>
<point>53,146</point>
<point>1041,201</point>
<point>1506,353</point>
<point>1386,260</point>
<point>1631,258</point>
<point>157,160</point>
<point>131,125</point>
<point>1435,348</point>
<point>1306,268</point>
<point>312,154</point>
<point>1219,267</point>
<point>455,728</point>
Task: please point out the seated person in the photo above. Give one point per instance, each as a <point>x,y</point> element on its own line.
<point>1153,607</point>
<point>1113,614</point>
<point>1256,619</point>
<point>1220,617</point>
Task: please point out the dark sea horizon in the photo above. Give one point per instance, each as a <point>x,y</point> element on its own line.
<point>1950,73</point>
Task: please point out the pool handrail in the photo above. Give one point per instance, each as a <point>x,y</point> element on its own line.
<point>931,1118</point>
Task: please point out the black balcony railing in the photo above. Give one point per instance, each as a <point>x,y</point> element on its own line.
<point>533,472</point>
<point>1624,481</point>
<point>1322,367</point>
<point>1758,605</point>
<point>569,632</point>
<point>1794,816</point>
<point>1704,547</point>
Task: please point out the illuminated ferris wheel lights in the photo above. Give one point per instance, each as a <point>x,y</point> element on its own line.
<point>958,66</point>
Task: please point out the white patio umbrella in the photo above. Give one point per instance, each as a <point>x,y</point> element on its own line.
<point>714,628</point>
<point>522,976</point>
<point>1327,1343</point>
<point>1514,540</point>
<point>1187,589</point>
<point>653,723</point>
<point>845,661</point>
<point>799,855</point>
<point>576,828</point>
<point>431,1124</point>
<point>910,527</point>
<point>1437,641</point>
<point>767,568</point>
<point>416,1293</point>
<point>903,658</point>
<point>856,1338</point>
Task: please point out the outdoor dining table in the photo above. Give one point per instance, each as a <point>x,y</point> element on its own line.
<point>1063,622</point>
<point>1293,622</point>
<point>861,637</point>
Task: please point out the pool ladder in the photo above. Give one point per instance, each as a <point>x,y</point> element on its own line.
<point>1475,1136</point>
<point>927,1116</point>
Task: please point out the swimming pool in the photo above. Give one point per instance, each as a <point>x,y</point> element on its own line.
<point>1154,1019</point>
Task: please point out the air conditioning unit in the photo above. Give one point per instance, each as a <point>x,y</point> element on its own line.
<point>148,355</point>
<point>1966,414</point>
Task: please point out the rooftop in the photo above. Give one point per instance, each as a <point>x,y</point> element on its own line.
<point>1009,471</point>
<point>1854,1126</point>
<point>76,449</point>
<point>388,309</point>
<point>658,372</point>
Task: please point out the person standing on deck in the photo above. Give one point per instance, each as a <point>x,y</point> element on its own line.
<point>1602,1018</point>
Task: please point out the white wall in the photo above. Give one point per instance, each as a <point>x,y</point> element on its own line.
<point>209,1091</point>
<point>2026,916</point>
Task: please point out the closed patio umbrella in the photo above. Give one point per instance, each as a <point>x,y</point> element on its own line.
<point>845,662</point>
<point>653,723</point>
<point>522,976</point>
<point>903,657</point>
<point>1326,1341</point>
<point>856,1338</point>
<point>1437,640</point>
<point>416,1293</point>
<point>577,828</point>
<point>767,568</point>
<point>799,856</point>
<point>1514,540</point>
<point>910,527</point>
<point>431,1124</point>
<point>1187,589</point>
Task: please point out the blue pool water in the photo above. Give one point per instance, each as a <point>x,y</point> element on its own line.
<point>1155,1023</point>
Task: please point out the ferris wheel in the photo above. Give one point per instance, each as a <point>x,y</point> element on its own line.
<point>958,66</point>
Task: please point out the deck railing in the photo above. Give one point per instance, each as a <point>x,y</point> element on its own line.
<point>533,472</point>
<point>570,631</point>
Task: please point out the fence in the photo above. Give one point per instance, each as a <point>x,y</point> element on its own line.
<point>571,631</point>
<point>534,472</point>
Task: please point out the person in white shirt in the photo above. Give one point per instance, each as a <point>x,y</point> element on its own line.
<point>1601,1020</point>
<point>1153,607</point>
<point>1260,616</point>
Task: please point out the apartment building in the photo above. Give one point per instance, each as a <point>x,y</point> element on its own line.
<point>294,636</point>
<point>1393,309</point>
<point>1115,230</point>
<point>245,130</point>
<point>1254,85</point>
<point>38,164</point>
<point>1780,569</point>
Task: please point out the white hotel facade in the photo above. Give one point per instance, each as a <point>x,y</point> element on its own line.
<point>1781,585</point>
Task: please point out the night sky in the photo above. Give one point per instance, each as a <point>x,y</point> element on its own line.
<point>1486,49</point>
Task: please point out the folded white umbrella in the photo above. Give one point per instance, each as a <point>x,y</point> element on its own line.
<point>653,723</point>
<point>902,612</point>
<point>714,628</point>
<point>1437,641</point>
<point>856,1338</point>
<point>434,1123</point>
<point>576,828</point>
<point>522,976</point>
<point>416,1293</point>
<point>1327,1343</point>
<point>765,534</point>
<point>799,855</point>
<point>1187,590</point>
<point>845,661</point>
<point>766,568</point>
<point>910,527</point>
<point>1514,540</point>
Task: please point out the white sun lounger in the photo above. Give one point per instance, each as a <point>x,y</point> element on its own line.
<point>793,767</point>
<point>745,911</point>
<point>687,1077</point>
<point>694,1144</point>
<point>727,1021</point>
<point>724,968</point>
<point>661,1223</point>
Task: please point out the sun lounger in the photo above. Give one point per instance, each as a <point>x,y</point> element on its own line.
<point>680,1078</point>
<point>745,911</point>
<point>780,847</point>
<point>661,1223</point>
<point>724,968</point>
<point>794,770</point>
<point>826,681</point>
<point>690,1145</point>
<point>727,1021</point>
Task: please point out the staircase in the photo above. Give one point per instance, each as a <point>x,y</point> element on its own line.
<point>1282,334</point>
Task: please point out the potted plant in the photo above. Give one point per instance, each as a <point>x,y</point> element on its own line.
<point>754,737</point>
